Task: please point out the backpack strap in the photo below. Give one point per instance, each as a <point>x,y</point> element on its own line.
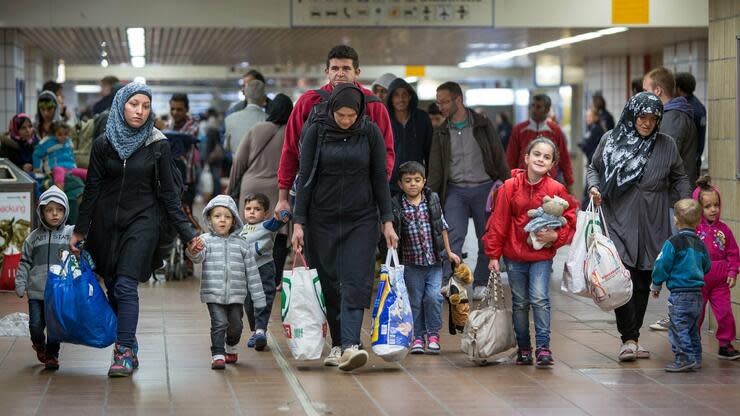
<point>157,157</point>
<point>325,95</point>
<point>319,143</point>
<point>372,99</point>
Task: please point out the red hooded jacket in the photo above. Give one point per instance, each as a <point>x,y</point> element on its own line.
<point>505,233</point>
<point>290,157</point>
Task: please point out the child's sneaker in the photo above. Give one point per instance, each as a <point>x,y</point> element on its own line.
<point>135,358</point>
<point>523,356</point>
<point>231,354</point>
<point>122,365</point>
<point>40,352</point>
<point>52,363</point>
<point>679,367</point>
<point>728,352</point>
<point>417,347</point>
<point>433,346</point>
<point>260,341</point>
<point>251,341</point>
<point>544,357</point>
<point>218,362</point>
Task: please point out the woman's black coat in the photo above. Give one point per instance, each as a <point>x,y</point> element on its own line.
<point>120,213</point>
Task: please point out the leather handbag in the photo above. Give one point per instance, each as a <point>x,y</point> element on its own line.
<point>489,330</point>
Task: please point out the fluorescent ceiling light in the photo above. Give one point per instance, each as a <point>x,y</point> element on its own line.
<point>104,63</point>
<point>489,96</point>
<point>140,80</point>
<point>505,56</point>
<point>411,80</point>
<point>87,89</point>
<point>136,41</point>
<point>61,72</point>
<point>138,61</point>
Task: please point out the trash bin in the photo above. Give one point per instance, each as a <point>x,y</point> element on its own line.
<point>17,218</point>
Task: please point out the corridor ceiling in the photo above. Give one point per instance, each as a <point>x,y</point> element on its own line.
<point>306,46</point>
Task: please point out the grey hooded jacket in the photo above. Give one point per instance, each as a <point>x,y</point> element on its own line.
<point>229,269</point>
<point>42,248</point>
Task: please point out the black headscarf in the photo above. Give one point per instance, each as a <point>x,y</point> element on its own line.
<point>626,152</point>
<point>280,109</point>
<point>344,95</point>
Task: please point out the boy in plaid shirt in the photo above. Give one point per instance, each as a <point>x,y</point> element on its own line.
<point>422,248</point>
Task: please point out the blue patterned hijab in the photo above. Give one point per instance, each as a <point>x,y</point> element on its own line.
<point>124,138</point>
<point>626,153</point>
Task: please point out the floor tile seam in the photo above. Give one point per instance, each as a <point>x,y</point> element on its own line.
<point>43,397</point>
<point>587,346</point>
<point>291,378</point>
<point>674,390</point>
<point>619,393</point>
<point>544,387</point>
<point>234,397</point>
<point>426,390</point>
<point>7,353</point>
<point>171,405</point>
<point>369,396</point>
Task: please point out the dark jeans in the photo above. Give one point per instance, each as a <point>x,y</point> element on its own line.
<point>123,295</point>
<point>684,309</point>
<point>631,315</point>
<point>462,203</point>
<point>216,178</point>
<point>351,325</point>
<point>279,254</point>
<point>226,326</point>
<point>267,274</point>
<point>37,324</point>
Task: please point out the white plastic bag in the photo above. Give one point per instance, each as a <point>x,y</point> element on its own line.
<point>205,182</point>
<point>574,273</point>
<point>14,325</point>
<point>393,322</point>
<point>609,282</point>
<point>303,311</point>
<point>489,330</point>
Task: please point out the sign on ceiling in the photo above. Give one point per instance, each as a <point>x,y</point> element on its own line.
<point>392,13</point>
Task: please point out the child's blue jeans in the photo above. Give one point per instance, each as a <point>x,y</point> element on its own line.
<point>36,326</point>
<point>424,284</point>
<point>530,286</point>
<point>684,308</point>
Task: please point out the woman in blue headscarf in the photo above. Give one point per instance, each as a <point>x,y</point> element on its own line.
<point>129,179</point>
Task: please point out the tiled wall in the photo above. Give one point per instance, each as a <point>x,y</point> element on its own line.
<point>34,72</point>
<point>11,69</point>
<point>724,25</point>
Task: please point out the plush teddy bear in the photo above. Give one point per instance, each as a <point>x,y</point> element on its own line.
<point>549,215</point>
<point>457,296</point>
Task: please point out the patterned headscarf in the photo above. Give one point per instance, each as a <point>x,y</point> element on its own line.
<point>124,138</point>
<point>15,125</point>
<point>626,152</point>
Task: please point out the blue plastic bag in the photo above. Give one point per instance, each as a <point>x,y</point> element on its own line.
<point>393,322</point>
<point>77,310</point>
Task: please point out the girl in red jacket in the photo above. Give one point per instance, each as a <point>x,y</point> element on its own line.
<point>528,269</point>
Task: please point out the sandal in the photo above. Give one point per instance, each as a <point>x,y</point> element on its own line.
<point>642,353</point>
<point>628,352</point>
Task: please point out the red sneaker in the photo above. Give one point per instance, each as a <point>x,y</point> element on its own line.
<point>40,352</point>
<point>52,363</point>
<point>231,358</point>
<point>218,362</point>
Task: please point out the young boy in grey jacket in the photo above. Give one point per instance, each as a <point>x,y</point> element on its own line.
<point>41,250</point>
<point>260,235</point>
<point>229,274</point>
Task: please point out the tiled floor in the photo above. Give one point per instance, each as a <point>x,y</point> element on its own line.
<point>175,377</point>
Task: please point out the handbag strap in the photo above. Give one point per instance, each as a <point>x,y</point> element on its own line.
<point>392,256</point>
<point>495,293</point>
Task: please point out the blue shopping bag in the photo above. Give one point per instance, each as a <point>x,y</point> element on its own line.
<point>393,322</point>
<point>77,311</point>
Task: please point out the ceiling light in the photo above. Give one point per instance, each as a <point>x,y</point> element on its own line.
<point>411,80</point>
<point>489,96</point>
<point>87,89</point>
<point>138,61</point>
<point>104,63</point>
<point>136,41</point>
<point>505,56</point>
<point>61,72</point>
<point>140,80</point>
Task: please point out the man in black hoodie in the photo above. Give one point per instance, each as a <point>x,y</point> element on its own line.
<point>412,128</point>
<point>678,117</point>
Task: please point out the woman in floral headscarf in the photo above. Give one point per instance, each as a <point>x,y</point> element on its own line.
<point>636,175</point>
<point>20,141</point>
<point>129,177</point>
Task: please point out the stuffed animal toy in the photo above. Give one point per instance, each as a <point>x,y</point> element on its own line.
<point>549,215</point>
<point>457,297</point>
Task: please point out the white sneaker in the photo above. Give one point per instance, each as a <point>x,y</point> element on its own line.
<point>479,292</point>
<point>661,324</point>
<point>352,358</point>
<point>333,359</point>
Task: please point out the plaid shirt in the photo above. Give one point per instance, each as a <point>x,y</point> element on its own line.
<point>416,234</point>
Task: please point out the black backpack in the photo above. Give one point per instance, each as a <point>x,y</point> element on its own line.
<point>319,108</point>
<point>167,232</point>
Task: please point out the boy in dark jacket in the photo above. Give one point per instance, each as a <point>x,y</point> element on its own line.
<point>682,264</point>
<point>423,247</point>
<point>41,250</point>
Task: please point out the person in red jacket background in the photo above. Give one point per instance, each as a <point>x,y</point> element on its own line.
<point>342,66</point>
<point>538,125</point>
<point>529,269</point>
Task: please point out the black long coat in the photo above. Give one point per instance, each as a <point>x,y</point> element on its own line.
<point>120,215</point>
<point>340,209</point>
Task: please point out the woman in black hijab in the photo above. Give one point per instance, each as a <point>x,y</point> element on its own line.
<point>343,187</point>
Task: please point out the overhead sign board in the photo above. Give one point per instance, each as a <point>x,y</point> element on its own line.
<point>392,13</point>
